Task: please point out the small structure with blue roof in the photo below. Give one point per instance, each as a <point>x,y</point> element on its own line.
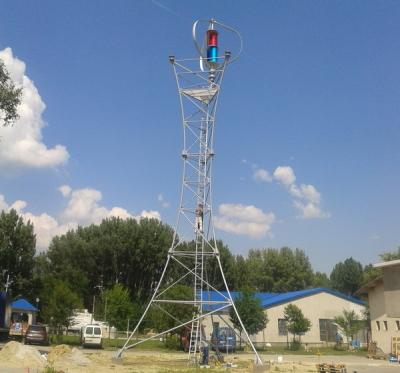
<point>22,314</point>
<point>320,305</point>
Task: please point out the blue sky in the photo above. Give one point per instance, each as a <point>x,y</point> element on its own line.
<point>316,90</point>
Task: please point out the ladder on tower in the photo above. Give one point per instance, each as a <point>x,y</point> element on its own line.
<point>195,333</point>
<point>194,347</point>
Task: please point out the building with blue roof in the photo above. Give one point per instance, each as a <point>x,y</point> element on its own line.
<point>320,305</point>
<point>15,316</point>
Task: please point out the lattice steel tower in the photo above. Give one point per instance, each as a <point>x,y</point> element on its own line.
<point>199,88</point>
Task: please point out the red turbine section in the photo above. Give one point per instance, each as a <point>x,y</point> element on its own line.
<point>212,38</point>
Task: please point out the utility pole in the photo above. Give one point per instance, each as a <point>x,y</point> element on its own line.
<point>94,301</point>
<point>8,283</point>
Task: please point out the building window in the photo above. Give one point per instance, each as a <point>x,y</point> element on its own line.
<point>282,328</point>
<point>385,325</point>
<point>327,330</point>
<point>378,325</point>
<point>398,324</point>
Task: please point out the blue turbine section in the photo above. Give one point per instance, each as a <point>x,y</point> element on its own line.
<point>212,54</point>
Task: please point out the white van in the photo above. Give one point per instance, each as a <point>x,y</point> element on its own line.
<point>91,335</point>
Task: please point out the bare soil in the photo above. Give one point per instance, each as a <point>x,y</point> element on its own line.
<point>17,358</point>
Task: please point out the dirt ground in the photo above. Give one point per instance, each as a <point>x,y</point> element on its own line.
<point>17,358</point>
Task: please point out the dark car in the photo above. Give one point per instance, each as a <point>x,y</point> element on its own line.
<point>36,334</point>
<point>224,339</point>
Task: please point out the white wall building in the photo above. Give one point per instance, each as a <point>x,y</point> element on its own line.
<point>83,317</point>
<point>384,306</point>
<point>319,305</point>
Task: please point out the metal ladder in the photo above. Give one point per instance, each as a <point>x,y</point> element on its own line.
<point>195,333</point>
<point>194,340</point>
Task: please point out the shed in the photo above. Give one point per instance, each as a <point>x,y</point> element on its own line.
<point>22,314</point>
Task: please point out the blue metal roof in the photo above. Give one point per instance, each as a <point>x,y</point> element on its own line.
<point>293,295</point>
<point>23,305</point>
<point>273,299</point>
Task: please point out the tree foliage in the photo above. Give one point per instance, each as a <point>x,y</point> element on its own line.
<point>17,250</point>
<point>167,316</point>
<point>126,258</point>
<point>297,323</point>
<point>280,270</point>
<point>350,323</point>
<point>119,307</point>
<point>128,252</point>
<point>321,280</point>
<point>58,302</point>
<point>386,257</point>
<point>10,97</point>
<point>347,276</point>
<point>370,273</point>
<point>251,312</point>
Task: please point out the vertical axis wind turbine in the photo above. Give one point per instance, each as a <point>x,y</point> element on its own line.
<point>194,258</point>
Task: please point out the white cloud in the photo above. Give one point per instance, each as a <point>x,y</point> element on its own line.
<point>308,192</point>
<point>19,205</point>
<point>45,226</point>
<point>3,203</point>
<point>284,175</point>
<point>244,220</point>
<point>65,190</point>
<point>83,208</point>
<point>262,175</point>
<point>163,202</point>
<point>22,144</point>
<point>310,210</point>
<point>149,214</point>
<point>306,198</point>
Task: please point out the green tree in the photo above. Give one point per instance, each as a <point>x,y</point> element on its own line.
<point>10,97</point>
<point>370,273</point>
<point>165,316</point>
<point>228,265</point>
<point>347,276</point>
<point>321,280</point>
<point>17,250</point>
<point>297,323</point>
<point>251,312</point>
<point>386,257</point>
<point>58,302</point>
<point>119,307</point>
<point>280,270</point>
<point>129,252</point>
<point>240,278</point>
<point>350,323</point>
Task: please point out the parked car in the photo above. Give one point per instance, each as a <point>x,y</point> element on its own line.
<point>91,336</point>
<point>223,339</point>
<point>36,334</point>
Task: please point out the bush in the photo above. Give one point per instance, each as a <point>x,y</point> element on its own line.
<point>295,346</point>
<point>172,342</point>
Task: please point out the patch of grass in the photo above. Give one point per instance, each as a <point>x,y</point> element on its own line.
<point>148,345</point>
<point>74,340</point>
<point>50,369</point>
<point>314,351</point>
